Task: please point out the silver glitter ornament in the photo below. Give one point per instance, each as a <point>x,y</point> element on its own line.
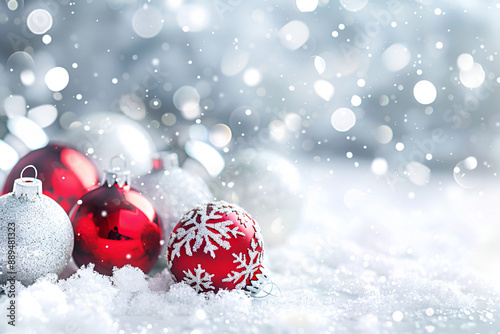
<point>172,189</point>
<point>36,235</point>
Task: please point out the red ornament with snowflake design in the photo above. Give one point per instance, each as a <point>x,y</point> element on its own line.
<point>218,246</point>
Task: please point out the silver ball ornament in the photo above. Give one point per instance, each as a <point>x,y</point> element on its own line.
<point>35,233</point>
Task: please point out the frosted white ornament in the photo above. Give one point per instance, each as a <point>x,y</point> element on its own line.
<point>268,185</point>
<point>173,190</point>
<point>35,233</point>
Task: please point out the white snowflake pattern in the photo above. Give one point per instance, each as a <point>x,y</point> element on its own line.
<point>246,220</point>
<point>243,216</point>
<point>258,235</point>
<point>196,226</point>
<point>249,269</point>
<point>197,280</point>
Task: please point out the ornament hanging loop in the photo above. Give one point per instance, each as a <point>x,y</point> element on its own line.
<point>29,166</point>
<point>28,187</point>
<point>267,290</point>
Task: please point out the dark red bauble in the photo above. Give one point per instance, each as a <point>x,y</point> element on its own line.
<point>218,246</point>
<point>66,174</point>
<point>115,225</point>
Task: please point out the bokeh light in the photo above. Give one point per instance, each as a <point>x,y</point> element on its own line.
<point>294,34</point>
<point>379,166</point>
<point>220,135</point>
<point>9,156</point>
<point>424,92</point>
<point>353,5</point>
<point>57,79</point>
<point>252,77</point>
<point>209,157</point>
<point>39,21</point>
<point>30,133</point>
<point>383,134</point>
<point>319,64</point>
<point>147,21</point>
<point>396,57</point>
<point>43,115</point>
<point>14,105</point>
<point>193,17</point>
<point>306,6</point>
<point>343,119</point>
<point>324,89</point>
<point>187,100</point>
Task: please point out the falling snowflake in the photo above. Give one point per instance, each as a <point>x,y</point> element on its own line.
<point>249,268</point>
<point>197,280</point>
<point>196,226</point>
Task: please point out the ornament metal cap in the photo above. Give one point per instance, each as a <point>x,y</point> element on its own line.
<point>117,175</point>
<point>29,187</point>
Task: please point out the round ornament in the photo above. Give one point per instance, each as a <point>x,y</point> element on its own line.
<point>66,174</point>
<point>115,225</point>
<point>35,233</point>
<point>173,190</point>
<point>104,135</point>
<point>218,246</point>
<point>264,182</point>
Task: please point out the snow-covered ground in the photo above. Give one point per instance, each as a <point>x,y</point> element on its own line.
<point>367,258</point>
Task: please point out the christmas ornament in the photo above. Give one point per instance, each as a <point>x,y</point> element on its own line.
<point>218,246</point>
<point>36,236</point>
<point>173,190</point>
<point>264,182</point>
<point>66,174</point>
<point>115,225</point>
<point>110,134</point>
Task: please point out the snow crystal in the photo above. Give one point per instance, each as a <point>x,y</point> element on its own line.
<point>129,279</point>
<point>161,281</point>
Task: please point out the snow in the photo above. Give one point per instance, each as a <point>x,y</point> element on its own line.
<point>384,264</point>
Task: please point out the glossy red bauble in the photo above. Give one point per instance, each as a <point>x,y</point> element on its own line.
<point>66,174</point>
<point>115,225</point>
<point>218,246</point>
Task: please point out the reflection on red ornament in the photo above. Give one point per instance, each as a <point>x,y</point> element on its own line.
<point>66,174</point>
<point>115,225</point>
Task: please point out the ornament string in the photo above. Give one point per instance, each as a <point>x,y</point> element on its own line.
<point>267,290</point>
<point>22,172</point>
